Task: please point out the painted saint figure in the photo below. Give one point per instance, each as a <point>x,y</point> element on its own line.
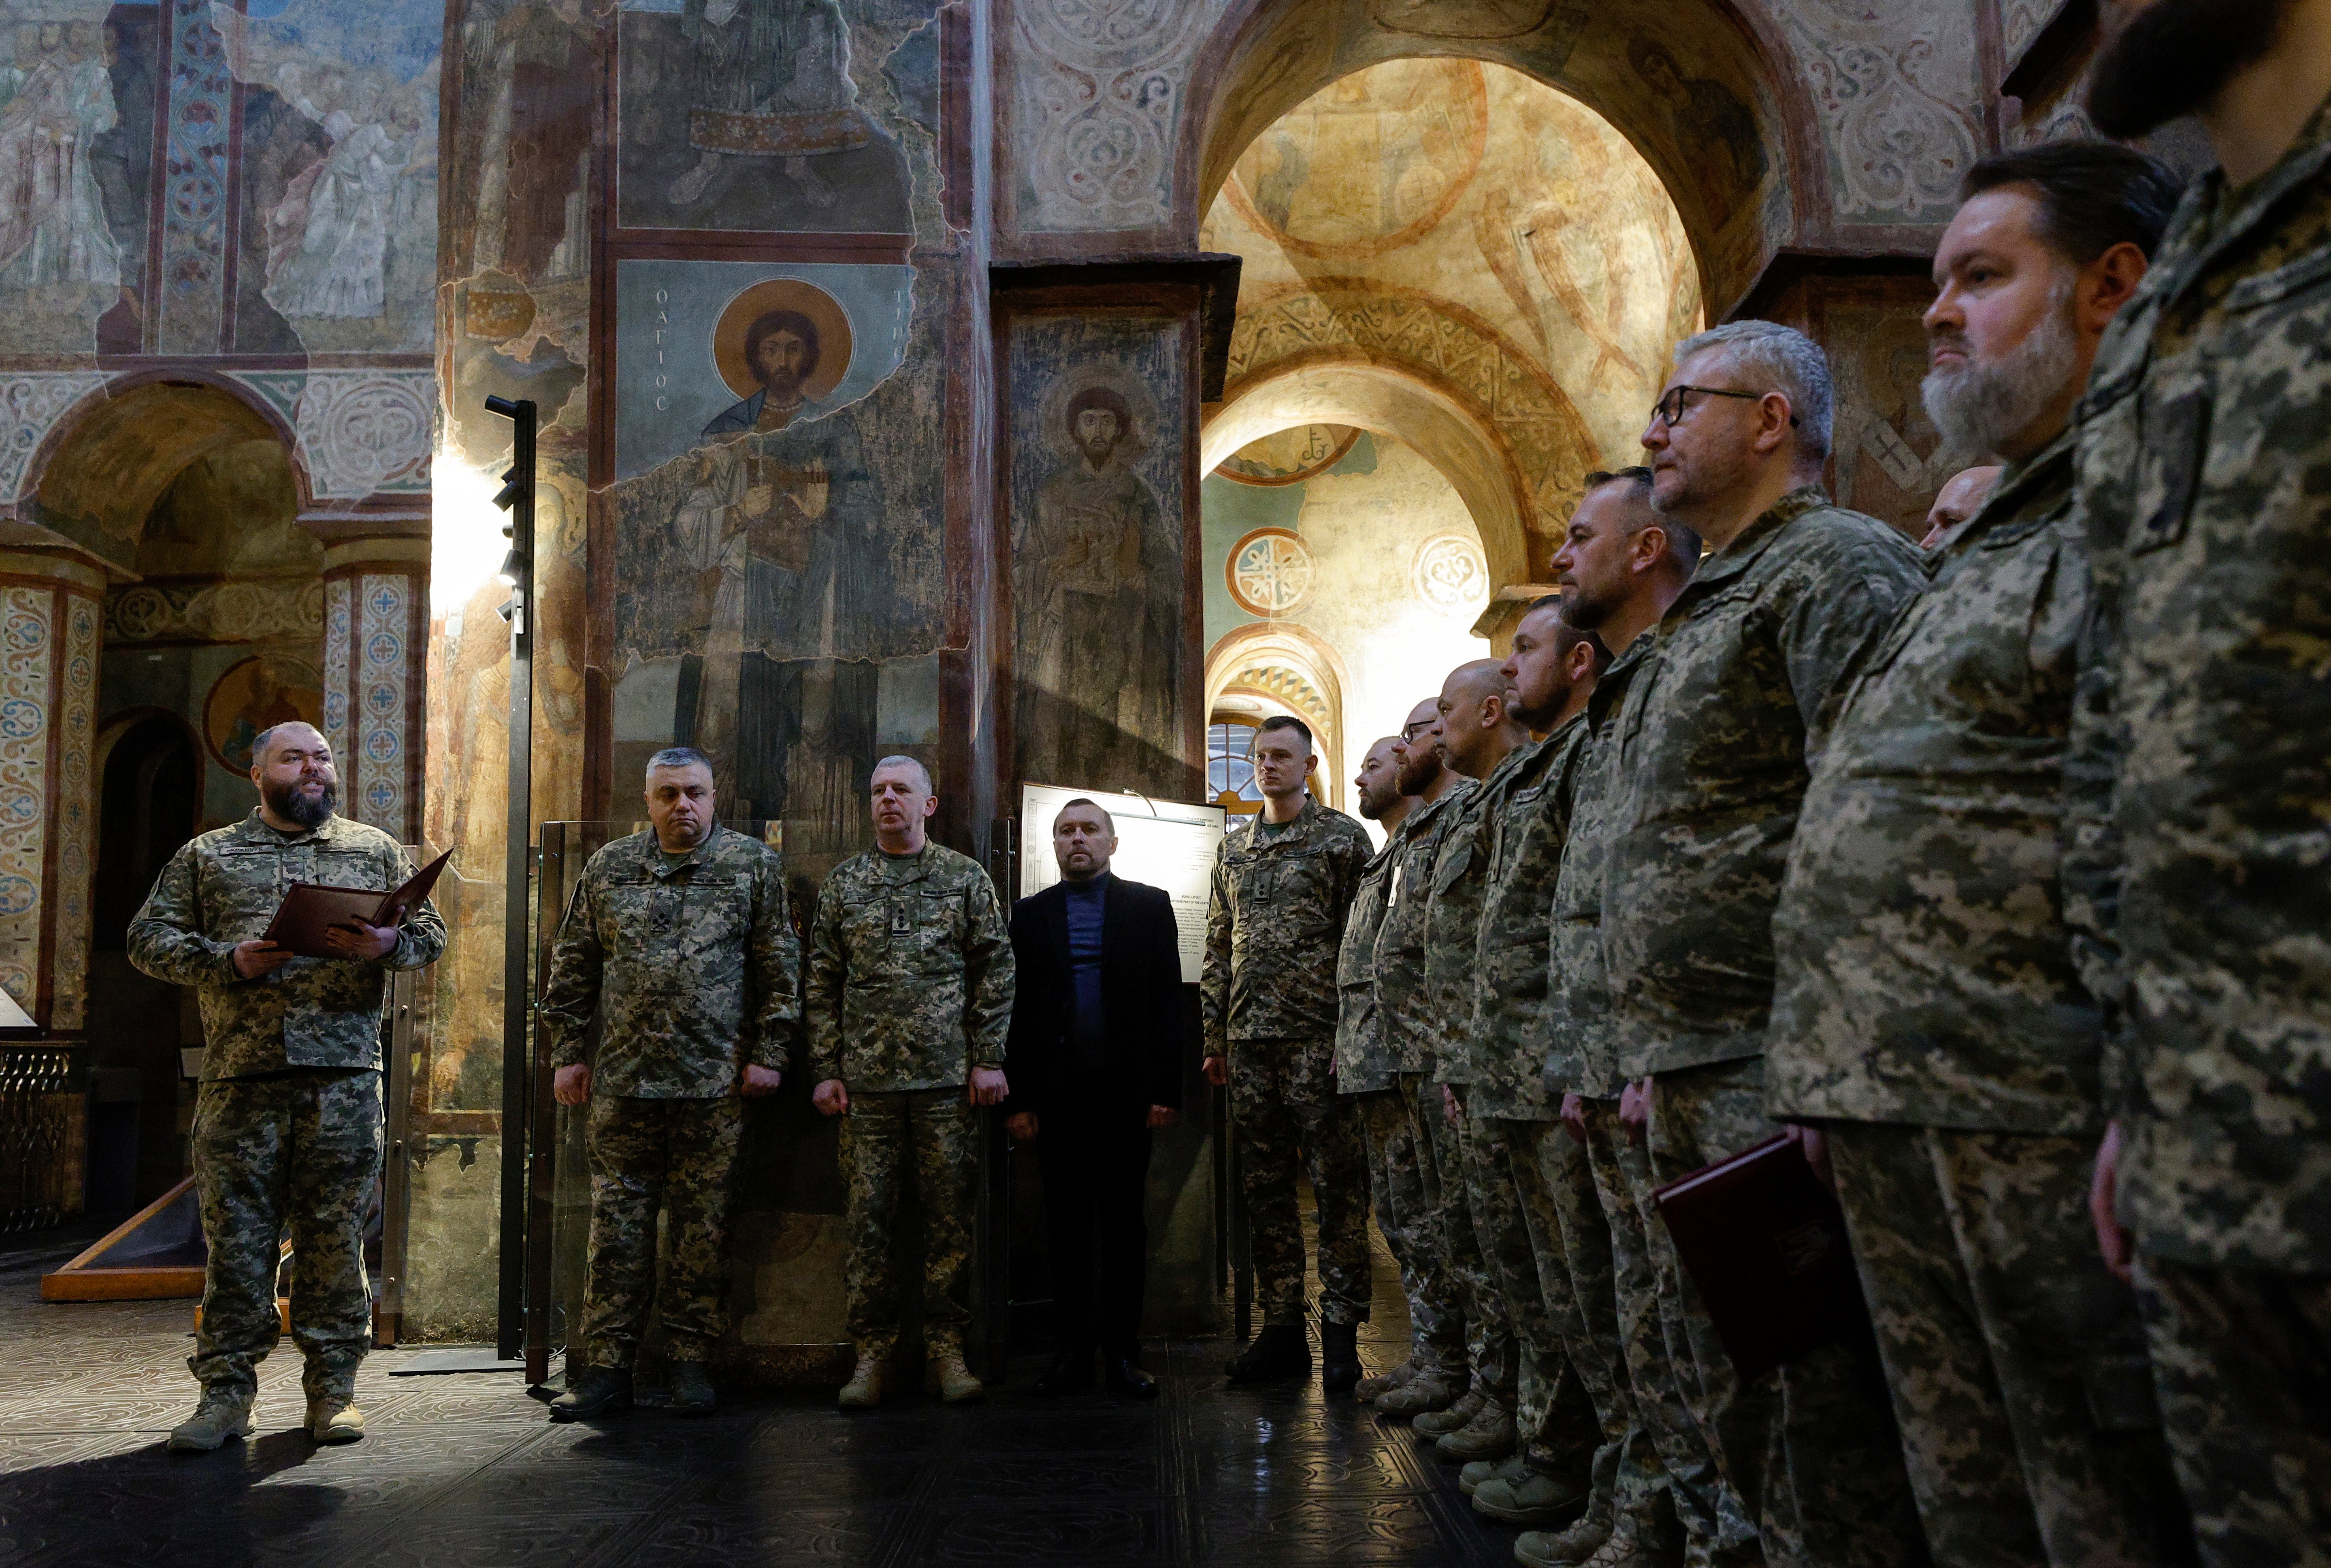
<point>1098,649</point>
<point>782,348</point>
<point>53,227</point>
<point>773,80</point>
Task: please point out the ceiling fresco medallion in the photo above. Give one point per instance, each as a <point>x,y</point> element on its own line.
<point>1451,575</point>
<point>1290,456</point>
<point>1271,572</point>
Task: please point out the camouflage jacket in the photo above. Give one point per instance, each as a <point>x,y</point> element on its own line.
<point>1363,1053</point>
<point>909,984</point>
<point>223,888</point>
<point>1452,936</point>
<point>1582,1046</point>
<point>1525,817</point>
<point>1924,973</point>
<point>2203,475</point>
<point>1399,945</point>
<point>1710,763</point>
<point>690,968</point>
<point>1274,924</point>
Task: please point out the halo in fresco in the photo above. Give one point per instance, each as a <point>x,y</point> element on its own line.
<point>1289,456</point>
<point>825,313</point>
<point>1142,408</point>
<point>253,696</point>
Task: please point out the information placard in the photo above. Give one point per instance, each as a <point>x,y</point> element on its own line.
<point>1168,844</point>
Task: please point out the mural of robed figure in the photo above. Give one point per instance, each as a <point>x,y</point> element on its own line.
<point>1100,635</point>
<point>781,348</point>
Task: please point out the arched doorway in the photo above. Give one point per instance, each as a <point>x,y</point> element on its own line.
<point>148,768</point>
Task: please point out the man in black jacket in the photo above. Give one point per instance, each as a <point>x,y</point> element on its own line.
<point>1096,1057</point>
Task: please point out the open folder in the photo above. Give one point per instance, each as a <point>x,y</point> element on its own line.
<point>310,909</point>
<point>1766,1246</point>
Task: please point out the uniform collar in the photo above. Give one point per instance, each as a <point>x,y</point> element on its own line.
<point>663,867</point>
<point>2194,243</point>
<point>2049,467</point>
<point>1737,556</point>
<point>254,830</point>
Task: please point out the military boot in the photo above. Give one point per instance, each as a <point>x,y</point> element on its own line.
<point>1340,1357</point>
<point>601,1390</point>
<point>946,1376</point>
<point>333,1418</point>
<point>1625,1548</point>
<point>222,1413</point>
<point>1512,1468</point>
<point>1533,1498</point>
<point>1378,1384</point>
<point>1431,1389</point>
<point>692,1391</point>
<point>1489,1435</point>
<point>864,1389</point>
<point>1449,1418</point>
<point>1566,1549</point>
<point>1277,1350</point>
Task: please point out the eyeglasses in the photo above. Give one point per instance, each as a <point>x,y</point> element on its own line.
<point>1669,409</point>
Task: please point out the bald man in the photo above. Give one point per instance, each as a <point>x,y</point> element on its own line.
<point>1961,496</point>
<point>287,1134</point>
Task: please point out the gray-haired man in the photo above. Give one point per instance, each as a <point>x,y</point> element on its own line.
<point>678,939</point>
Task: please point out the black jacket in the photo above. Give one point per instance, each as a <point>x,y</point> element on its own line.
<point>1143,1010</point>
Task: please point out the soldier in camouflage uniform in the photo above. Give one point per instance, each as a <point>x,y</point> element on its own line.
<point>1274,923</point>
<point>1364,1069</point>
<point>907,994</point>
<point>1926,1008</point>
<point>1454,1324</point>
<point>1708,767</point>
<point>2203,867</point>
<point>1621,565</point>
<point>286,1134</point>
<point>679,941</point>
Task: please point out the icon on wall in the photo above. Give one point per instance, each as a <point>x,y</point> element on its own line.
<point>783,345</point>
<point>253,697</point>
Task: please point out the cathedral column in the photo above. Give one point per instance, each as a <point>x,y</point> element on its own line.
<point>375,654</point>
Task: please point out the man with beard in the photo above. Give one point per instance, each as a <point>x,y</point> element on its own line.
<point>1707,771</point>
<point>286,1134</point>
<point>1442,1298</point>
<point>1281,891</point>
<point>1518,1142</point>
<point>1365,1068</point>
<point>1621,565</point>
<point>1926,1013</point>
<point>679,942</point>
<point>781,349</point>
<point>2200,864</point>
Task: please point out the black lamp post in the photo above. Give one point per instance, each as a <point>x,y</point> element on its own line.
<point>516,497</point>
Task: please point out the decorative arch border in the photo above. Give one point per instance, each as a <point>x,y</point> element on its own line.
<point>1304,656</point>
<point>26,398</point>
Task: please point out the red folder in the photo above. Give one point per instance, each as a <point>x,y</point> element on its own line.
<point>1765,1245</point>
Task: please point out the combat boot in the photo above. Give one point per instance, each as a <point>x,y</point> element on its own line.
<point>1512,1468</point>
<point>1625,1548</point>
<point>1489,1435</point>
<point>1568,1549</point>
<point>864,1389</point>
<point>333,1418</point>
<point>222,1413</point>
<point>1277,1350</point>
<point>1449,1418</point>
<point>946,1376</point>
<point>692,1391</point>
<point>1533,1498</point>
<point>1431,1389</point>
<point>1340,1357</point>
<point>601,1390</point>
<point>1378,1384</point>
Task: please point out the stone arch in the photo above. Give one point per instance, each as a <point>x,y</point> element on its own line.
<point>1287,667</point>
<point>1718,90</point>
<point>1462,440</point>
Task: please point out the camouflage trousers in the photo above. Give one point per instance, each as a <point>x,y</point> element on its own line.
<point>1488,1332</point>
<point>294,1154</point>
<point>674,1155</point>
<point>1403,1209</point>
<point>1715,1523</point>
<point>936,1134</point>
<point>2242,1361</point>
<point>1811,1447</point>
<point>2016,1359</point>
<point>1285,1113</point>
<point>1553,1179</point>
<point>1552,1412</point>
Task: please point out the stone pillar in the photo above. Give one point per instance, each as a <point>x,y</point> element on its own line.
<point>375,651</point>
<point>51,621</point>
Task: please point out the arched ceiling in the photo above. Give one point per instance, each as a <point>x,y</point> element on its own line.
<point>110,467</point>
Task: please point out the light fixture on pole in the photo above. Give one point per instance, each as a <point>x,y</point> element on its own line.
<point>516,497</point>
